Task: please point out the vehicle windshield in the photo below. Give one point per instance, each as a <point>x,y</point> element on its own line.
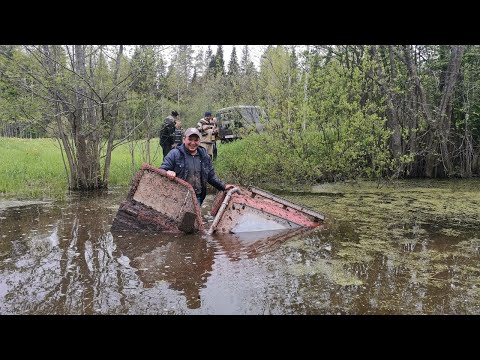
<point>237,120</point>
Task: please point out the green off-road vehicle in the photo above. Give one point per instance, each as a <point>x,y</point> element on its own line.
<point>236,121</point>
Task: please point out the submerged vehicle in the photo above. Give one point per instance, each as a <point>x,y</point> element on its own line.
<point>245,210</point>
<point>235,121</point>
<point>155,203</point>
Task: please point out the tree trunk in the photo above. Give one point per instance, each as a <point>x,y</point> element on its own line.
<point>438,126</point>
<point>445,107</point>
<point>114,119</point>
<point>393,122</point>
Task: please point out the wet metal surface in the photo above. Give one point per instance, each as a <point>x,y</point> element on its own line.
<point>145,209</point>
<point>252,209</point>
<point>411,249</point>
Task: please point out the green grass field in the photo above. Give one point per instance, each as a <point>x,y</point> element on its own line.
<point>33,168</point>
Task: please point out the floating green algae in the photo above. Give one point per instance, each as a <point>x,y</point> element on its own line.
<point>413,239</point>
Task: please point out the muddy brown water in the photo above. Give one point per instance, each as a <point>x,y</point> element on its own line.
<point>408,248</point>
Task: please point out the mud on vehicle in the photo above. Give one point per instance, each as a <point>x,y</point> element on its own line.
<point>236,121</point>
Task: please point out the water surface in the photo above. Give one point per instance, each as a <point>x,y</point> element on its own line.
<point>411,248</point>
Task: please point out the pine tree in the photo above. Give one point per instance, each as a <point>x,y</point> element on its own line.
<point>210,63</point>
<point>219,62</point>
<point>208,57</point>
<point>233,67</point>
<point>245,60</point>
<point>199,64</point>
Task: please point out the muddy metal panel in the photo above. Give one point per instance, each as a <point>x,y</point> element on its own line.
<point>252,209</point>
<point>167,197</point>
<point>157,203</point>
<point>295,208</point>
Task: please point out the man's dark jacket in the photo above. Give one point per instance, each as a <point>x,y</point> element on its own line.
<point>167,132</point>
<point>176,161</point>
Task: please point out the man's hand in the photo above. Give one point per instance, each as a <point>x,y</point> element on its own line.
<point>229,186</point>
<point>171,174</point>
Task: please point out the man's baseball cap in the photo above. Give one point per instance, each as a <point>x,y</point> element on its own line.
<point>208,113</point>
<point>192,131</point>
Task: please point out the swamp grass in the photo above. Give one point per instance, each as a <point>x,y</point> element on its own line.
<point>33,168</point>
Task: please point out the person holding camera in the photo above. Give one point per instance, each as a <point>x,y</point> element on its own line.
<point>178,133</point>
<point>207,127</point>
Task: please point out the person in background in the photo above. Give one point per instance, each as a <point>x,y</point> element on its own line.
<point>215,139</point>
<point>167,133</point>
<point>208,130</point>
<point>178,133</point>
<point>190,162</point>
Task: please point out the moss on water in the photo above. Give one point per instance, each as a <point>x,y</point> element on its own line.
<point>332,270</point>
<point>355,253</point>
<point>418,234</point>
<point>450,232</point>
<point>470,247</point>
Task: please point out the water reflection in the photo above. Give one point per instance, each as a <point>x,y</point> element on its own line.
<point>256,243</point>
<point>53,259</point>
<point>184,262</point>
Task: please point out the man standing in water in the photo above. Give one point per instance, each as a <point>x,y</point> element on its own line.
<point>191,162</point>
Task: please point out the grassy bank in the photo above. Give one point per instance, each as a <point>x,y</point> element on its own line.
<point>34,167</point>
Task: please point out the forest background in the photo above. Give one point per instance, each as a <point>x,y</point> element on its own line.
<point>332,112</point>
